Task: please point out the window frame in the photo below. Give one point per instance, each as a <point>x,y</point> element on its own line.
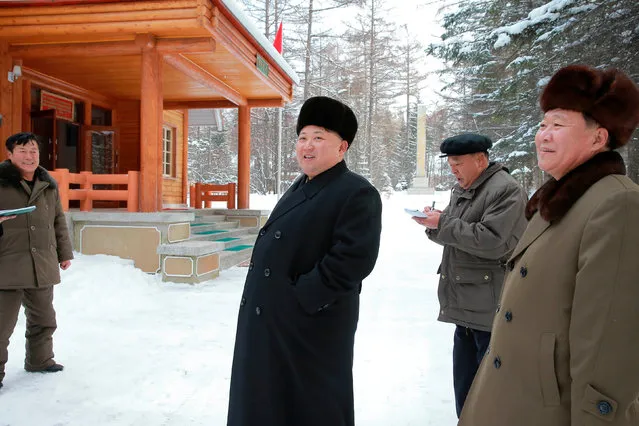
<point>172,154</point>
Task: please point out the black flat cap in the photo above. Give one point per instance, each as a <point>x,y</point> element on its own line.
<point>330,114</point>
<point>466,143</point>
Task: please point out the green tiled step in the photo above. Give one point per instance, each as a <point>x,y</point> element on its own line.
<point>227,239</point>
<point>213,232</point>
<point>238,248</point>
<point>202,224</point>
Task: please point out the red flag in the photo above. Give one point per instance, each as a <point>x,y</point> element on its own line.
<point>277,43</point>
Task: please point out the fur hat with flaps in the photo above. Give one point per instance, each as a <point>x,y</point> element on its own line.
<point>330,114</point>
<point>610,97</point>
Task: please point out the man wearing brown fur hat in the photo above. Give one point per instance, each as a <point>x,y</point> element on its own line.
<point>564,350</point>
<point>298,314</point>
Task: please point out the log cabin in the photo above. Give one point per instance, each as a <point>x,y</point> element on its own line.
<point>107,86</point>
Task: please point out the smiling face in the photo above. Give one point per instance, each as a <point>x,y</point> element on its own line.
<point>26,158</point>
<point>566,140</point>
<point>318,150</point>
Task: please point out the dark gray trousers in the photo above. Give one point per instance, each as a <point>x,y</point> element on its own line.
<point>41,324</point>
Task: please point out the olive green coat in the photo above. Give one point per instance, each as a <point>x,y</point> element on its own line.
<point>32,245</point>
<point>479,230</point>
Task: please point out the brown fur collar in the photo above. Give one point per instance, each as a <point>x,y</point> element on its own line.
<point>10,175</point>
<point>556,197</point>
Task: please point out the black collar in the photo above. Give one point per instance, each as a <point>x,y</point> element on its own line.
<point>10,175</point>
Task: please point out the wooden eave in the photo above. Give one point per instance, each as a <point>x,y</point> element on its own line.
<point>96,45</point>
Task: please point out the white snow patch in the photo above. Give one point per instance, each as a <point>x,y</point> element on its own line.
<point>502,40</point>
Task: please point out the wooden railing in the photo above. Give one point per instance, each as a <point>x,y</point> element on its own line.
<point>86,194</point>
<point>206,193</point>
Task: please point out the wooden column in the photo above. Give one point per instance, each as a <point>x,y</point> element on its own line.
<point>16,107</point>
<point>243,157</point>
<point>26,104</point>
<point>185,156</point>
<point>150,127</point>
<point>86,161</point>
<point>6,64</point>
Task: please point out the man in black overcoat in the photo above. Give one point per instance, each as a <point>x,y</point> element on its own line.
<point>298,314</point>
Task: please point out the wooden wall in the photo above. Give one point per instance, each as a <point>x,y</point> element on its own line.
<point>10,99</point>
<point>172,188</point>
<point>128,122</point>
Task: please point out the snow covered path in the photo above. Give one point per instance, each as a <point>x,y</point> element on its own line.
<point>141,352</point>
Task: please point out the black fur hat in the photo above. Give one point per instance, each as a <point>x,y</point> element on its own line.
<point>330,114</point>
<point>610,97</point>
<point>466,143</point>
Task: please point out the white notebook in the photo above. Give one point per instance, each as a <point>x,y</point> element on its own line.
<point>416,213</point>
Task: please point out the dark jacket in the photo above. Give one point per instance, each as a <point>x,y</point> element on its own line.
<point>33,244</point>
<point>479,229</point>
<point>300,305</point>
<point>564,348</point>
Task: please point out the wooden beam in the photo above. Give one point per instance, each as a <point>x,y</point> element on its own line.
<point>83,6</point>
<point>212,104</point>
<point>243,156</point>
<point>111,48</point>
<point>237,43</point>
<point>202,76</point>
<point>151,131</point>
<point>6,65</point>
<point>216,103</point>
<point>64,88</point>
<point>266,103</point>
<point>92,17</point>
<point>26,104</point>
<point>173,25</point>
<point>185,156</point>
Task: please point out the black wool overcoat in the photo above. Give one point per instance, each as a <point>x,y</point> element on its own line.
<point>293,358</point>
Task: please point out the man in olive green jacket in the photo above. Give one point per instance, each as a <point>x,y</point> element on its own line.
<point>33,248</point>
<point>479,229</point>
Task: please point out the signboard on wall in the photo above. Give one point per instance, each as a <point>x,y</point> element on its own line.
<point>64,107</point>
<point>262,65</point>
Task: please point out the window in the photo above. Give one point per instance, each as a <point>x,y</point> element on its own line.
<point>168,156</point>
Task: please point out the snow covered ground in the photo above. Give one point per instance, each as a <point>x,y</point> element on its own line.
<point>141,352</point>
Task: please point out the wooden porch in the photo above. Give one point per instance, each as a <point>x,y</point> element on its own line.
<point>126,72</point>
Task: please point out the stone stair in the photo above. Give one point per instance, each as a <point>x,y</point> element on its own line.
<point>218,240</point>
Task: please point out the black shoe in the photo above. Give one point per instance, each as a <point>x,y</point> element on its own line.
<point>54,368</point>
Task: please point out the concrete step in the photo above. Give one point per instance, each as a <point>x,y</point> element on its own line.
<point>210,226</point>
<point>230,258</point>
<point>216,234</point>
<point>230,242</point>
<point>190,248</point>
<point>209,218</point>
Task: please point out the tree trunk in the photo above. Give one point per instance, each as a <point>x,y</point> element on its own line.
<point>371,90</point>
<point>307,66</point>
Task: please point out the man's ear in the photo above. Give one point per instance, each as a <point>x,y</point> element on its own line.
<point>601,138</point>
<point>343,147</point>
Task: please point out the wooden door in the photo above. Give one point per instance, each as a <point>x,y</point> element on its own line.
<point>43,124</point>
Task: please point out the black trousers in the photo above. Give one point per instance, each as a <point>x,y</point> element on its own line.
<point>469,348</point>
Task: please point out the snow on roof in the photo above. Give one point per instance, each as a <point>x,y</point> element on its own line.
<point>248,24</point>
